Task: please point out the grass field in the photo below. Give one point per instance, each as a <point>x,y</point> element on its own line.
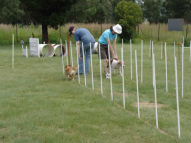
<point>146,32</point>
<point>38,105</point>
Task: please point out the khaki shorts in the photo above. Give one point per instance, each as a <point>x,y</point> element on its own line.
<point>104,52</point>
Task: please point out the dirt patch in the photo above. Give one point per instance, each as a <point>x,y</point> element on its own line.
<point>149,105</point>
<point>121,94</point>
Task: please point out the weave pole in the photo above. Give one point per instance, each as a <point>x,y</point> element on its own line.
<point>177,100</point>
<point>161,50</point>
<point>131,58</point>
<point>66,51</point>
<point>123,76</point>
<point>92,67</point>
<point>166,68</point>
<point>155,91</point>
<point>137,83</point>
<point>71,52</point>
<point>68,48</point>
<point>182,70</point>
<point>100,70</point>
<point>78,63</point>
<point>150,49</point>
<point>190,51</point>
<point>141,61</point>
<point>111,87</point>
<point>174,49</point>
<point>13,51</point>
<point>62,57</point>
<point>84,64</point>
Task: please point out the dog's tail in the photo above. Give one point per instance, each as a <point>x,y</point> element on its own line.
<point>75,67</point>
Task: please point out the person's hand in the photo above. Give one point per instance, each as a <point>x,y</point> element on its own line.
<point>79,57</point>
<point>115,57</point>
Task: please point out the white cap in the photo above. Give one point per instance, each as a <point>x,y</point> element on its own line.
<point>117,28</point>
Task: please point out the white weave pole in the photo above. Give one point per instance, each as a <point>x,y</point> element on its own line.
<point>137,83</point>
<point>13,51</point>
<point>150,49</point>
<point>110,74</point>
<point>190,51</point>
<point>153,65</point>
<point>161,51</point>
<point>26,52</point>
<point>78,63</point>
<point>100,70</point>
<point>166,68</point>
<point>84,63</point>
<point>62,57</point>
<point>92,67</point>
<point>123,76</point>
<point>71,52</point>
<point>174,49</point>
<point>182,70</point>
<point>131,58</point>
<point>177,100</point>
<point>141,61</point>
<point>66,51</point>
<point>155,91</point>
<point>183,40</point>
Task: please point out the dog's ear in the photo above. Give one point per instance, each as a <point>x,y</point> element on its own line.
<point>66,66</point>
<point>119,62</point>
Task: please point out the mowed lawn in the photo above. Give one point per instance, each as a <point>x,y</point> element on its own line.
<point>37,104</point>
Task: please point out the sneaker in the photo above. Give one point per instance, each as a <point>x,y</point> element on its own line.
<point>107,76</point>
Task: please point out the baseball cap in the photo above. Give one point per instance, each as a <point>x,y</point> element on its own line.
<point>70,29</point>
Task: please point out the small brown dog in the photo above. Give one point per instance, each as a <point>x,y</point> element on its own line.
<point>70,71</point>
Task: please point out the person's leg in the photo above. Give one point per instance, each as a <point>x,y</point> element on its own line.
<point>87,57</point>
<point>81,61</point>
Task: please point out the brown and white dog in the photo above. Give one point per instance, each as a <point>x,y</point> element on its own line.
<point>70,71</point>
<point>116,64</point>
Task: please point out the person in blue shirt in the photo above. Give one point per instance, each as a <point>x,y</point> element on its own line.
<point>82,35</point>
<point>105,41</point>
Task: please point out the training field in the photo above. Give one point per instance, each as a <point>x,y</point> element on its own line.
<point>37,104</point>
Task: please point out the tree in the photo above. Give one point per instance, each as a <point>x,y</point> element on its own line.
<point>128,15</point>
<point>152,10</point>
<point>11,13</point>
<point>47,13</point>
<point>179,9</point>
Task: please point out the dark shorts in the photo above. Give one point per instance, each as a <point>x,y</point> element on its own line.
<point>104,52</point>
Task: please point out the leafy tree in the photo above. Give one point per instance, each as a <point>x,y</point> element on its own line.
<point>129,15</point>
<point>152,10</point>
<point>47,13</point>
<point>179,9</point>
<point>11,13</point>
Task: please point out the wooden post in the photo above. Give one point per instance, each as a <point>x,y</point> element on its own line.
<point>179,43</point>
<point>68,48</point>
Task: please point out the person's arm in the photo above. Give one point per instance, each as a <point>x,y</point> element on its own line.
<point>111,50</point>
<point>114,47</point>
<point>78,48</point>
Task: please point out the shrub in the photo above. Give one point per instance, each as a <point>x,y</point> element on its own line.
<point>128,15</point>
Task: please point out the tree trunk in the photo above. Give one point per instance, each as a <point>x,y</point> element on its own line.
<point>158,31</point>
<point>17,33</point>
<point>44,33</point>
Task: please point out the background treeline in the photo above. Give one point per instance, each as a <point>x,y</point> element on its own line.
<point>56,13</point>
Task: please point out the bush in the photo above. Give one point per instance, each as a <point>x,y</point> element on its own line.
<point>128,15</point>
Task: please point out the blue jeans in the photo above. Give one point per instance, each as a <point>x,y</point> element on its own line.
<point>87,57</point>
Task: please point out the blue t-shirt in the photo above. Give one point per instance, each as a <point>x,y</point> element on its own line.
<point>107,34</point>
<point>83,35</point>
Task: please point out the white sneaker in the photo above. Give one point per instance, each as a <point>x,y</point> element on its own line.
<point>107,76</point>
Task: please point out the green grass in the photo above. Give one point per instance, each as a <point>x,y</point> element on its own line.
<point>38,105</point>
